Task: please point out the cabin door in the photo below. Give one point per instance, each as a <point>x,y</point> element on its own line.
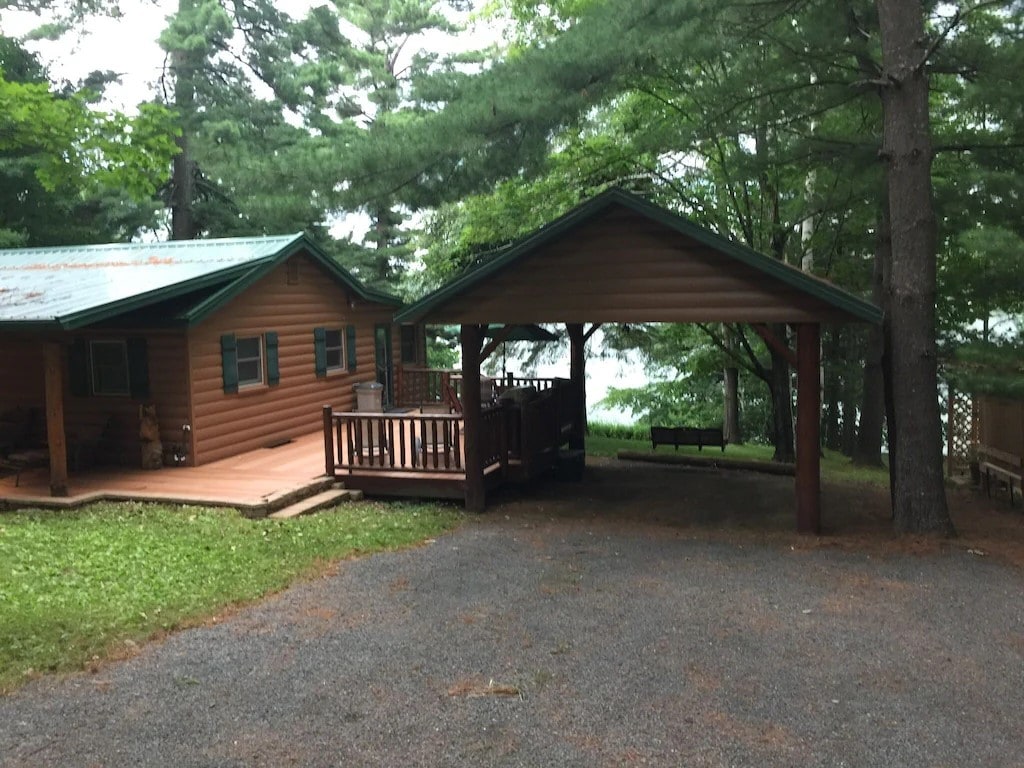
<point>382,347</point>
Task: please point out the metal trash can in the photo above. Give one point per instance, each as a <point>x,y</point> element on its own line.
<point>369,397</point>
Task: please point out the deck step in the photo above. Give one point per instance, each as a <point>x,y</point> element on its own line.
<point>314,503</point>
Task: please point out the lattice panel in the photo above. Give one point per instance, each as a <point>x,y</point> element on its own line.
<point>961,430</point>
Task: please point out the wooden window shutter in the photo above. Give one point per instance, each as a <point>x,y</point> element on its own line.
<point>320,350</point>
<point>229,362</point>
<point>78,368</point>
<point>273,360</point>
<point>138,368</point>
<point>350,347</point>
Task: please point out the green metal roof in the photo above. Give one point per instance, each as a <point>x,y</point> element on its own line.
<point>813,286</point>
<point>74,286</point>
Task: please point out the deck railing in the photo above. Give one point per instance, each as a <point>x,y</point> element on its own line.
<point>428,386</point>
<point>393,442</point>
<point>523,439</point>
<point>540,384</point>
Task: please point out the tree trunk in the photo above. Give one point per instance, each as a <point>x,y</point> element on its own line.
<point>731,417</point>
<point>872,407</point>
<point>782,403</point>
<point>183,225</point>
<point>832,360</point>
<point>919,494</point>
<point>578,379</point>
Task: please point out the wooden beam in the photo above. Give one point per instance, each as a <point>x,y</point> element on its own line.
<point>577,376</point>
<point>53,368</point>
<point>591,331</point>
<point>329,462</point>
<point>775,343</point>
<point>476,491</point>
<point>808,429</point>
<point>497,340</point>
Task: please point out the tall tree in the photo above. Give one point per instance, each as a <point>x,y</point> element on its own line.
<point>919,497</point>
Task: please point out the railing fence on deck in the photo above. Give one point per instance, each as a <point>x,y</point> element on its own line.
<point>527,433</point>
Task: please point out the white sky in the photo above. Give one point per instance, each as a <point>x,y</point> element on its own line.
<point>128,45</point>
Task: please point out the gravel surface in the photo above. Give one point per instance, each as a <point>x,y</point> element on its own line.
<point>533,637</point>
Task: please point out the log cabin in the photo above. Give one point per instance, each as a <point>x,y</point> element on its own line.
<point>238,343</point>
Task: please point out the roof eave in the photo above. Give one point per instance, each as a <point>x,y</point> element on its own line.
<point>301,243</point>
<point>857,308</point>
<point>113,309</point>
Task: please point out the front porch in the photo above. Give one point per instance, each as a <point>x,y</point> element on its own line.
<point>255,482</point>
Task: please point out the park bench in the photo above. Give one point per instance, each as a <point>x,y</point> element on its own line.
<point>698,436</point>
<point>1004,466</point>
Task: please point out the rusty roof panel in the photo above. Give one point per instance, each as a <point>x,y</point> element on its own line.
<point>56,284</point>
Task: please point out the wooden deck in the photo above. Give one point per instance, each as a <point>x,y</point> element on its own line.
<point>254,482</point>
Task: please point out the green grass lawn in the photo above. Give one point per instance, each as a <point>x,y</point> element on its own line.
<point>83,584</point>
<point>834,466</point>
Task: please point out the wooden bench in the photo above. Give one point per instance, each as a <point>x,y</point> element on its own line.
<point>1006,467</point>
<point>676,436</point>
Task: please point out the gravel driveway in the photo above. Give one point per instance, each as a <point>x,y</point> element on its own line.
<point>537,639</point>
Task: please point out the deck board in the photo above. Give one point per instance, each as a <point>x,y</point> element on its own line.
<point>247,480</point>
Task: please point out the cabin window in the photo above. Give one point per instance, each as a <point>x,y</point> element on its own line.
<point>250,360</point>
<point>409,344</point>
<point>109,364</point>
<point>334,348</point>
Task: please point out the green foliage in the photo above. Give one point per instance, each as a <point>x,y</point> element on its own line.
<point>443,347</point>
<point>70,173</point>
<point>76,585</point>
<point>992,368</point>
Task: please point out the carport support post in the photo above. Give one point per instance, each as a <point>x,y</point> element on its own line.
<point>472,338</point>
<point>53,371</point>
<point>577,362</point>
<point>808,429</point>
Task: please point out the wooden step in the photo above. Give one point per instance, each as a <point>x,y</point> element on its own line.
<point>313,503</point>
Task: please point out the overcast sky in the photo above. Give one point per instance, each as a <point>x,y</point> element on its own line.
<point>128,46</point>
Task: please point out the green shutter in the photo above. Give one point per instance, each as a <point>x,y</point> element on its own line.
<point>229,362</point>
<point>138,368</point>
<point>78,368</point>
<point>320,350</point>
<point>350,347</point>
<point>273,364</point>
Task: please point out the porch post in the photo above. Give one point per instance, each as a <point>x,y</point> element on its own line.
<point>577,376</point>
<point>53,371</point>
<point>808,426</point>
<point>329,461</point>
<point>476,494</point>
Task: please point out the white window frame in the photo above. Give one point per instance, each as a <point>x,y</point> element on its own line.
<point>260,358</point>
<point>94,380</point>
<point>342,363</point>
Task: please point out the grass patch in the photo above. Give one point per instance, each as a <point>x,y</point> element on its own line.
<point>834,466</point>
<point>78,585</point>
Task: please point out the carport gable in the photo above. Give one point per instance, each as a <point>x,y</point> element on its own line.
<point>618,258</point>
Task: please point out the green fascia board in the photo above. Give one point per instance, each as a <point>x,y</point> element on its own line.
<point>14,326</point>
<point>813,286</point>
<point>204,309</point>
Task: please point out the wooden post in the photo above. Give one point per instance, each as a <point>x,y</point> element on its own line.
<point>53,366</point>
<point>476,493</point>
<point>808,429</point>
<point>329,461</point>
<point>950,429</point>
<point>577,376</point>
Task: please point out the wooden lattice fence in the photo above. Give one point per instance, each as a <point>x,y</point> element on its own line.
<point>962,425</point>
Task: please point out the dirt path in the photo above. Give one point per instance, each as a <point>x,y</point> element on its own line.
<point>647,617</point>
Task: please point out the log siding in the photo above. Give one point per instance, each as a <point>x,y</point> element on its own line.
<point>628,268</point>
<point>224,424</point>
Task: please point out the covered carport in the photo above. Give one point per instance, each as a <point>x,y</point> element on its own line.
<point>620,259</point>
